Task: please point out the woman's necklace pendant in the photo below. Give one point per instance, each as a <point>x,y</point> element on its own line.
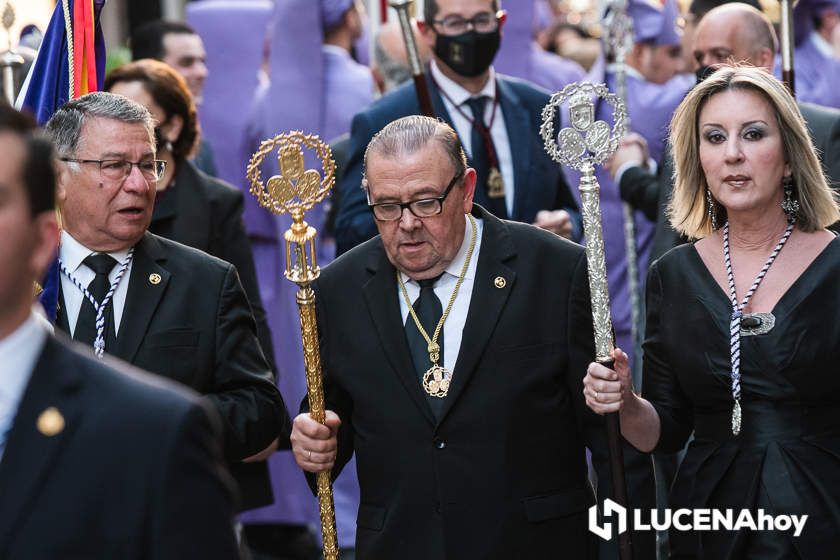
<point>436,381</point>
<point>736,418</point>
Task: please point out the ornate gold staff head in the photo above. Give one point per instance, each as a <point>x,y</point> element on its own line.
<point>294,190</point>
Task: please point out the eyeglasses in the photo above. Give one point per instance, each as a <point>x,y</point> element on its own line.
<point>423,208</point>
<point>484,22</point>
<point>119,169</point>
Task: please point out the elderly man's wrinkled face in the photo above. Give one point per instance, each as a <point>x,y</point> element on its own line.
<point>101,213</point>
<point>420,247</point>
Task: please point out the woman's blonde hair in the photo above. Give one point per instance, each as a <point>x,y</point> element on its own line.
<point>689,208</point>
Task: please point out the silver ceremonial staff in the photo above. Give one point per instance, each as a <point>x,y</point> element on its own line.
<point>618,40</point>
<point>582,146</point>
<point>9,60</point>
<point>787,43</point>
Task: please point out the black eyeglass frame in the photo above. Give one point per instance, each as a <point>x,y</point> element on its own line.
<point>160,166</point>
<point>471,22</point>
<point>409,204</point>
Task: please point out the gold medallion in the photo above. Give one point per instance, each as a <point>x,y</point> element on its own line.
<point>436,381</point>
<point>495,184</point>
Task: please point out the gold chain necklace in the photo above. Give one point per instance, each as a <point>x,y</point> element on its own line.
<point>437,378</point>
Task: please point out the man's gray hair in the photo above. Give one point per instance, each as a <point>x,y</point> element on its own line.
<point>65,126</point>
<point>409,135</point>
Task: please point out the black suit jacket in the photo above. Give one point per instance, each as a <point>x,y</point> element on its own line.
<point>652,193</point>
<point>193,324</point>
<point>206,213</point>
<point>539,182</point>
<point>136,472</point>
<point>502,474</point>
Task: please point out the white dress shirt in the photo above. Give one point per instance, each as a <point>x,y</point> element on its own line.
<point>18,353</point>
<point>453,327</point>
<point>72,253</point>
<point>463,127</point>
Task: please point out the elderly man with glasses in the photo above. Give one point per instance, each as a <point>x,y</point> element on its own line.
<point>453,346</point>
<point>159,305</point>
<point>497,119</point>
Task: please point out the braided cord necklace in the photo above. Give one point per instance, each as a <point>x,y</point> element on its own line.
<point>99,342</point>
<point>437,378</point>
<point>738,312</point>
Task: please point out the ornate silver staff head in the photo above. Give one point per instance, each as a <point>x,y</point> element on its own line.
<point>588,142</point>
<point>583,145</point>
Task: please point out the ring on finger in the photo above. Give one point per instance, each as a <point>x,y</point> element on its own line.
<point>310,456</point>
<point>596,396</point>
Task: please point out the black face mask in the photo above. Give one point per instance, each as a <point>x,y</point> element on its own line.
<point>704,72</point>
<point>468,54</point>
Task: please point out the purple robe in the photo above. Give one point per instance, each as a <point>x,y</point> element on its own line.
<point>348,88</point>
<point>650,107</point>
<point>817,74</point>
<point>551,71</point>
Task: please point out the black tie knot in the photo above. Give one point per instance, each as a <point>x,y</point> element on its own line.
<point>477,105</point>
<point>100,263</point>
<point>429,282</point>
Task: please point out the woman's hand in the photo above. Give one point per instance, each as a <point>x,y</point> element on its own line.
<point>607,390</point>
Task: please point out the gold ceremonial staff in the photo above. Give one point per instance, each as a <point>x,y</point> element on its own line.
<point>582,146</point>
<point>296,190</point>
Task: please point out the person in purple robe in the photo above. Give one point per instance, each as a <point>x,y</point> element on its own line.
<point>313,84</point>
<point>653,91</point>
<point>816,65</point>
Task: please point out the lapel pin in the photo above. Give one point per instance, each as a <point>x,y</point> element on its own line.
<point>154,278</point>
<point>500,282</point>
<point>50,422</point>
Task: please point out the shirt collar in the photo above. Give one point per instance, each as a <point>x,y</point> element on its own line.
<point>73,253</point>
<point>336,50</point>
<point>629,71</point>
<point>458,94</point>
<point>21,349</point>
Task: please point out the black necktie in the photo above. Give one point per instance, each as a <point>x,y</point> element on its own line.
<point>481,158</point>
<point>428,310</point>
<point>101,264</point>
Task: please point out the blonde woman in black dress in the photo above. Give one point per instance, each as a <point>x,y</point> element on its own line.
<point>743,336</point>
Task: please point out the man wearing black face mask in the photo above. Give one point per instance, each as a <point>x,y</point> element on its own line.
<point>734,32</point>
<point>496,118</point>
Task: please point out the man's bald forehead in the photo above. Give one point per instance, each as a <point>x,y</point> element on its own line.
<point>752,24</point>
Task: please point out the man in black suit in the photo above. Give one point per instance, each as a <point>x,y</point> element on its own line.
<point>733,32</point>
<point>487,461</point>
<point>168,309</point>
<point>96,460</point>
<point>504,142</point>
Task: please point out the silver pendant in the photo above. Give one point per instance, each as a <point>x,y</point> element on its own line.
<point>757,323</point>
<point>736,418</point>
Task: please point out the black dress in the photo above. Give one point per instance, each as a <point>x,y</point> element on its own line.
<point>786,460</point>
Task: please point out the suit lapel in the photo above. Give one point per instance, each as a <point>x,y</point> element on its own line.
<point>146,287</point>
<point>437,101</point>
<point>381,298</point>
<point>520,134</point>
<point>30,453</point>
<point>486,304</point>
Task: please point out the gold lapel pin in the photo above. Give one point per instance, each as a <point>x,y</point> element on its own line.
<point>154,278</point>
<point>500,282</point>
<point>50,422</point>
